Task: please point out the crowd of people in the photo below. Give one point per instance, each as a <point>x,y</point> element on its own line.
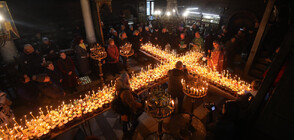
<point>45,69</point>
<point>218,47</point>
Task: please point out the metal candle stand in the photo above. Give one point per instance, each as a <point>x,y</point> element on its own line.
<point>194,95</point>
<point>126,51</point>
<point>98,53</point>
<point>159,107</point>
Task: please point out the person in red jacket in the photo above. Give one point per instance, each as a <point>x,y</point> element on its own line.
<point>67,69</point>
<point>113,57</point>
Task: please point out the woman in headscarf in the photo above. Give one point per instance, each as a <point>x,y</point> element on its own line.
<point>216,60</point>
<point>130,107</point>
<point>67,69</point>
<point>82,57</point>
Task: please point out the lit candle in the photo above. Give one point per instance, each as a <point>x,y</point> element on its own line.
<point>15,121</point>
<point>6,127</point>
<point>32,115</point>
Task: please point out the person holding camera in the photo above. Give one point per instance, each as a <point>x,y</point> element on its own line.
<point>175,88</point>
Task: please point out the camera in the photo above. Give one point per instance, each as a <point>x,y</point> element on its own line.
<point>210,106</point>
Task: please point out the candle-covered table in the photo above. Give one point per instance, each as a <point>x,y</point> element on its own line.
<point>223,80</point>
<point>159,105</point>
<point>51,122</point>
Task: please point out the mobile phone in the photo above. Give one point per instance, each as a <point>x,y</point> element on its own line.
<point>212,108</point>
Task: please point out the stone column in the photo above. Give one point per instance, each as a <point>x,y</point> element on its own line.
<point>90,32</point>
<point>8,51</point>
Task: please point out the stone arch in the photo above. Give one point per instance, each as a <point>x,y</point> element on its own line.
<point>240,19</point>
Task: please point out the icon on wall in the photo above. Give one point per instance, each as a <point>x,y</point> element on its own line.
<point>7,25</point>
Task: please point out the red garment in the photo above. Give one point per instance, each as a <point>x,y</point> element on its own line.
<point>113,54</point>
<point>216,61</point>
<point>65,66</point>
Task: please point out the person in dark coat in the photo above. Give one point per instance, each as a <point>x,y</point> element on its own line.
<point>140,29</point>
<point>194,29</point>
<point>136,42</point>
<point>82,55</point>
<point>67,69</point>
<point>48,49</point>
<point>181,44</point>
<point>225,127</point>
<point>224,36</point>
<point>123,39</point>
<point>175,88</point>
<point>130,31</point>
<point>147,35</point>
<point>122,28</point>
<point>131,109</point>
<point>113,57</point>
<point>230,48</point>
<point>164,38</point>
<point>208,43</point>
<point>55,77</point>
<point>30,62</point>
<point>155,36</point>
<point>114,36</point>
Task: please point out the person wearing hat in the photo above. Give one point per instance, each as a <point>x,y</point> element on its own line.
<point>175,88</point>
<point>48,49</point>
<point>30,62</point>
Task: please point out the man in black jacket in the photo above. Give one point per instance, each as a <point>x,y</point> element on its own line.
<point>164,38</point>
<point>175,88</point>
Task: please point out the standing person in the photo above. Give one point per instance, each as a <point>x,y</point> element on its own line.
<point>136,42</point>
<point>130,31</point>
<point>140,29</point>
<point>230,48</point>
<point>155,36</point>
<point>82,57</point>
<point>208,44</point>
<point>216,60</point>
<point>123,39</point>
<point>113,57</point>
<point>122,28</point>
<point>164,38</point>
<point>114,36</point>
<point>125,105</point>
<point>175,88</point>
<point>194,29</point>
<point>223,36</point>
<point>182,44</point>
<point>197,42</point>
<point>67,69</point>
<point>146,35</point>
